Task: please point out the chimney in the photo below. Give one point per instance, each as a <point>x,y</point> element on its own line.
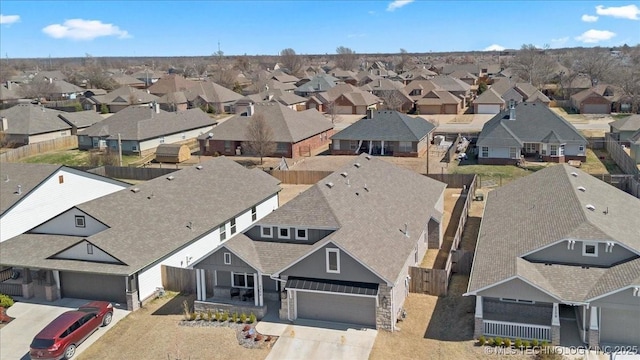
<point>250,110</point>
<point>512,110</point>
<point>369,113</point>
<point>5,124</point>
<point>156,107</point>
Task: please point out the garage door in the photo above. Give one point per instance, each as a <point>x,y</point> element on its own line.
<point>620,327</point>
<point>93,287</point>
<point>488,109</point>
<point>344,110</point>
<point>338,308</point>
<point>596,109</point>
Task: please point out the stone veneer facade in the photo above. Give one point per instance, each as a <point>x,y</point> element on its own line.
<point>384,316</point>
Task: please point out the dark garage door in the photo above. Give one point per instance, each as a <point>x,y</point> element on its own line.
<point>620,327</point>
<point>596,109</point>
<point>93,287</point>
<point>338,308</point>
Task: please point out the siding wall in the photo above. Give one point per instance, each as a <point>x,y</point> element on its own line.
<point>79,252</point>
<point>560,254</point>
<point>65,224</point>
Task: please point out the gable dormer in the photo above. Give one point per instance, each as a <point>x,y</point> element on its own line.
<point>580,252</point>
<point>287,233</point>
<point>72,222</point>
<point>86,251</point>
<point>432,95</point>
<point>119,99</point>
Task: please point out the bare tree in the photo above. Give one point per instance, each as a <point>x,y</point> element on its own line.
<point>97,79</point>
<point>346,59</point>
<point>595,63</point>
<point>405,63</point>
<point>225,77</point>
<point>200,68</point>
<point>259,137</point>
<point>37,90</point>
<point>627,77</point>
<point>533,65</point>
<point>243,64</point>
<point>332,110</point>
<point>291,61</point>
<point>392,99</point>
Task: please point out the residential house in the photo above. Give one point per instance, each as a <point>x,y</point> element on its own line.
<point>296,133</point>
<point>35,193</point>
<point>455,86</point>
<point>65,91</point>
<point>25,124</point>
<point>317,84</point>
<point>415,74</point>
<point>345,76</point>
<point>634,147</point>
<point>513,90</point>
<point>384,133</point>
<point>119,99</point>
<point>170,83</point>
<point>489,102</point>
<point>212,94</point>
<point>558,259</point>
<point>392,94</point>
<point>344,99</point>
<point>288,99</point>
<point>80,120</point>
<point>529,129</point>
<point>176,101</point>
<point>601,99</point>
<point>123,79</point>
<point>139,130</point>
<point>148,77</point>
<point>465,76</point>
<point>417,89</point>
<point>624,128</point>
<point>439,102</point>
<point>266,85</point>
<point>9,93</point>
<point>113,248</point>
<point>338,252</point>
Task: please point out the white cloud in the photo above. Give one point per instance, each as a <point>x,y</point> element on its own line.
<point>630,12</point>
<point>80,29</point>
<point>594,36</point>
<point>397,4</point>
<point>494,47</point>
<point>9,19</point>
<point>560,41</point>
<point>589,18</point>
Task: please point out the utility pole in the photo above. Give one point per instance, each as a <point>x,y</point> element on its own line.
<point>120,149</point>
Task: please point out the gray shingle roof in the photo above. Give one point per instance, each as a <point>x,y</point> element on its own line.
<point>161,210</point>
<point>171,83</point>
<point>29,119</point>
<point>141,123</point>
<point>388,126</point>
<point>123,96</point>
<point>212,93</point>
<point>630,123</point>
<point>28,176</point>
<point>489,97</point>
<point>322,82</point>
<point>533,122</point>
<point>547,207</point>
<point>81,119</point>
<point>286,124</point>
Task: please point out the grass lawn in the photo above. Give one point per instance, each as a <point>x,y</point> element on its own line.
<point>72,157</point>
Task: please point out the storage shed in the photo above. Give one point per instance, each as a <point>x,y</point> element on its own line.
<point>172,153</point>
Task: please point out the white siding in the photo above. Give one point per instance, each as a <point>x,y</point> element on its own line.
<point>52,198</point>
<point>79,252</point>
<point>488,109</point>
<point>49,136</point>
<point>574,149</point>
<point>499,152</point>
<point>65,224</point>
<point>174,138</point>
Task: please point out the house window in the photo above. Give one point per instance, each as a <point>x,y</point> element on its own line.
<point>333,261</point>
<point>485,151</point>
<point>302,234</point>
<point>227,146</point>
<point>521,301</point>
<point>405,146</point>
<point>80,221</point>
<point>90,249</point>
<point>233,226</point>
<point>581,148</point>
<point>242,280</point>
<point>254,214</point>
<point>61,179</point>
<point>353,145</point>
<point>266,232</point>
<point>134,148</point>
<point>283,233</point>
<point>227,258</point>
<point>223,232</point>
<point>281,147</point>
<point>589,249</point>
<point>512,153</point>
<point>553,150</point>
<point>561,150</point>
<point>530,148</point>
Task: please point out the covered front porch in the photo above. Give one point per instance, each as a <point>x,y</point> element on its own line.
<point>30,283</point>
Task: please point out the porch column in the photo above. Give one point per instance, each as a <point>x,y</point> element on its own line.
<point>50,288</point>
<point>370,146</point>
<point>256,289</point>
<point>260,290</point>
<point>478,329</point>
<point>215,277</point>
<point>594,329</point>
<point>382,148</point>
<point>198,297</point>
<point>555,324</point>
<point>203,284</point>
<point>28,288</point>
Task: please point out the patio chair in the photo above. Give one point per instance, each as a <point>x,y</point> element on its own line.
<point>235,292</point>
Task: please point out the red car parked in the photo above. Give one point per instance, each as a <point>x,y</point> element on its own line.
<point>59,339</point>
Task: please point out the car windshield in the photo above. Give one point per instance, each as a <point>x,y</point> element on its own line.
<point>42,343</point>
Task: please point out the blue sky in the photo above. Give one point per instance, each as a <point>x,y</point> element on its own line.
<point>193,28</point>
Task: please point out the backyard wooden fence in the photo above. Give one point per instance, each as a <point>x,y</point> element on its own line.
<point>67,142</point>
<point>596,142</point>
<point>306,177</point>
<point>458,181</point>
<point>428,281</point>
<point>622,159</point>
<point>178,279</point>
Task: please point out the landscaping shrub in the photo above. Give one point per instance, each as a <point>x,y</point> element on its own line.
<point>526,344</point>
<point>490,342</point>
<point>544,343</point>
<point>6,301</point>
<point>252,318</point>
<point>104,109</point>
<point>225,316</point>
<point>518,343</point>
<point>507,342</point>
<point>534,342</point>
<point>481,340</point>
<point>192,316</point>
<point>209,315</point>
<point>497,341</point>
<point>549,353</point>
<point>243,318</point>
<point>234,317</point>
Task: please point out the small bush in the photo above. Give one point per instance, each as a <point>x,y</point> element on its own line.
<point>518,343</point>
<point>243,318</point>
<point>252,318</point>
<point>104,109</point>
<point>526,344</point>
<point>209,314</point>
<point>507,342</point>
<point>234,317</point>
<point>225,316</point>
<point>535,342</point>
<point>481,340</point>
<point>6,301</point>
<point>544,343</point>
<point>549,353</point>
<point>497,341</point>
<point>192,316</point>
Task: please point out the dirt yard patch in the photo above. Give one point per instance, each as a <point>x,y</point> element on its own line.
<point>290,191</point>
<point>451,199</point>
<point>153,332</point>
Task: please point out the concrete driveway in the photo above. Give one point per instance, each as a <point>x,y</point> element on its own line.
<point>31,317</point>
<point>315,339</point>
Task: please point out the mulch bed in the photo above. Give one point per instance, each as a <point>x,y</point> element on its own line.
<point>246,334</point>
<point>4,318</point>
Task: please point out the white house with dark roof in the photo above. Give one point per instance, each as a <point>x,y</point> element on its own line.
<point>113,248</point>
<point>530,130</point>
<point>340,251</point>
<point>558,259</point>
<point>31,194</point>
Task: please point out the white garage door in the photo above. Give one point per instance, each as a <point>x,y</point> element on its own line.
<point>359,310</point>
<point>488,109</point>
<point>596,109</point>
<point>620,327</point>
